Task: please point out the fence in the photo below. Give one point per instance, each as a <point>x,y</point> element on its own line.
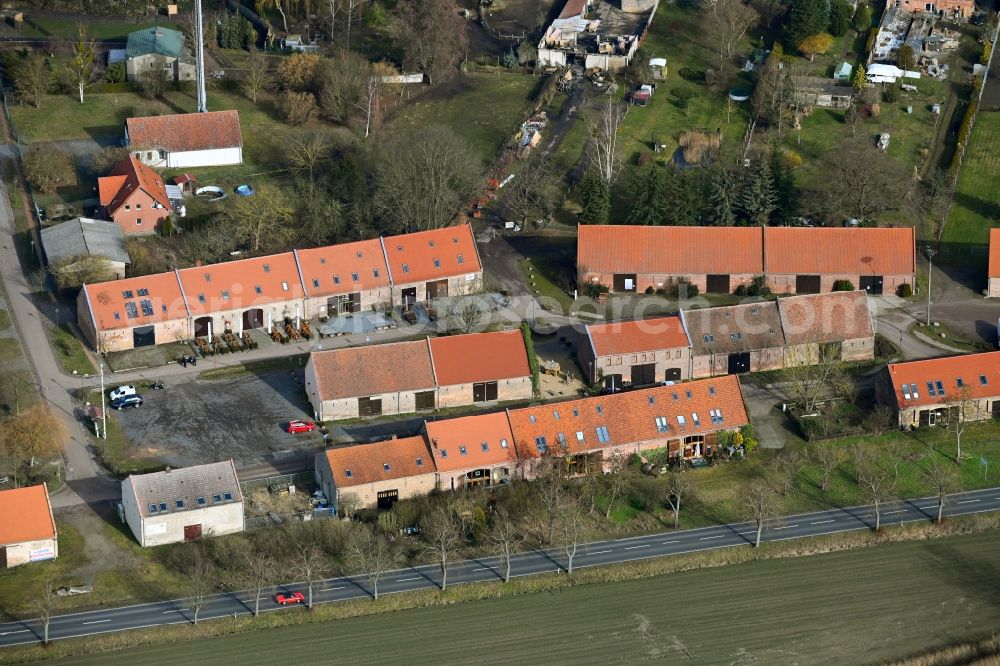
<point>274,520</point>
<point>279,482</point>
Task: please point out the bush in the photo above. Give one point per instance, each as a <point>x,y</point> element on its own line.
<point>891,94</point>
<point>682,93</point>
<point>905,291</point>
<point>529,345</point>
<point>297,108</point>
<point>650,291</point>
<point>679,102</point>
<point>47,170</point>
<point>594,290</point>
<point>115,73</point>
<point>843,285</point>
<point>691,74</point>
<point>757,287</point>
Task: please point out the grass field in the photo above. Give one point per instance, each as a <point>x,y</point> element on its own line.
<point>70,352</point>
<point>856,606</point>
<point>977,197</point>
<point>64,28</point>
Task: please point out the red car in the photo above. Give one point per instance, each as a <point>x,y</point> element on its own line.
<point>293,598</point>
<point>301,426</point>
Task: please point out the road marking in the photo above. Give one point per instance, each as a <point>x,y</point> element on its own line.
<point>182,610</point>
<point>481,569</point>
<point>889,513</point>
<point>327,589</point>
<point>403,580</point>
<point>8,633</point>
<point>717,536</point>
<point>644,545</point>
<point>674,541</point>
<point>968,501</point>
<point>96,621</point>
<point>750,532</point>
<point>786,527</point>
<point>820,522</point>
<point>600,552</point>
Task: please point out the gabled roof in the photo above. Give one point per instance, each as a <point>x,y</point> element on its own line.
<point>839,250</point>
<point>184,489</point>
<point>832,317</point>
<point>241,284</point>
<point>372,370</point>
<point>994,269</point>
<point>135,301</point>
<point>186,131</point>
<point>669,250</point>
<point>130,175</point>
<point>83,237</point>
<point>734,328</point>
<point>479,357</point>
<point>628,337</point>
<point>432,255</point>
<point>26,515</point>
<point>628,417</point>
<point>471,441</point>
<point>979,372</point>
<point>379,461</point>
<point>161,41</point>
<point>332,269</point>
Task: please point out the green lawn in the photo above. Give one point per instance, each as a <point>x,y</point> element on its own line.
<point>485,109</point>
<point>536,272</point>
<point>64,28</point>
<point>70,353</point>
<point>861,606</point>
<point>977,197</point>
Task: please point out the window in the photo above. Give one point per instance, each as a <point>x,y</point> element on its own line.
<point>959,382</point>
<point>179,503</point>
<point>131,311</point>
<point>227,496</point>
<point>437,263</point>
<point>117,316</point>
<point>652,400</point>
<point>709,338</point>
<point>676,397</point>
<point>485,446</point>
<point>420,462</point>
<point>461,259</point>
<point>576,412</point>
<point>348,473</point>
<point>695,419</point>
<point>716,415</point>
<point>284,286</point>
<point>913,390</point>
<point>541,445</point>
<point>142,292</point>
<point>562,439</point>
<point>579,436</point>
<point>906,391</point>
<point>430,243</point>
<point>687,394</point>
<point>152,508</point>
<point>354,276</point>
<point>555,414</point>
<point>138,206</point>
<point>406,268</point>
<point>315,282</point>
<point>930,389</point>
<point>385,467</point>
<point>322,260</point>
<point>711,390</point>
<point>375,272</point>
<point>661,423</point>
<point>138,221</point>
<point>336,279</point>
<point>753,310</point>
<point>127,207</point>
<point>147,307</point>
<point>444,453</point>
<point>359,254</point>
<point>532,418</point>
<point>600,410</point>
<point>163,506</point>
<point>267,268</point>
<point>602,434</point>
<point>201,298</point>
<point>680,420</point>
<point>503,444</point>
<point>200,501</point>
<point>463,450</point>
<point>982,380</point>
<point>216,498</point>
<point>208,277</point>
<point>735,336</point>
<point>225,295</point>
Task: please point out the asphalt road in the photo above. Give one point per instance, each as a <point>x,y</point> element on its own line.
<point>178,611</point>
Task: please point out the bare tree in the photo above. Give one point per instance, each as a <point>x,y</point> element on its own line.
<point>506,536</point>
<point>617,480</point>
<point>349,20</point>
<point>45,605</point>
<point>434,36</point>
<point>262,222</point>
<point>677,487</point>
<point>368,103</point>
<point>571,525</point>
<point>32,79</point>
<point>783,469</point>
<point>726,22</point>
<point>963,408</point>
<point>334,6</point>
<point>279,5</point>
<point>827,459</point>
<point>307,151</point>
<point>878,486</point>
<point>201,578</point>
<point>342,85</point>
<point>808,380</point>
<point>347,504</point>
<point>257,77</point>
<point>863,181</point>
<point>761,506</point>
<point>944,481</point>
<point>372,553</point>
<point>259,570</point>
<point>36,432</point>
<point>312,562</point>
<point>535,190</point>
<point>603,146</point>
<point>552,494</point>
<point>73,272</point>
<point>444,535</point>
<point>82,64</point>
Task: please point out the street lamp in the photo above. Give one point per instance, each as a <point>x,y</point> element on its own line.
<point>930,275</point>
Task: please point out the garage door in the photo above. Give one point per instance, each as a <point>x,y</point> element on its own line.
<point>807,284</point>
<point>739,363</point>
<point>386,498</point>
<point>484,391</point>
<point>644,375</point>
<point>437,289</point>
<point>613,382</point>
<point>192,532</point>
<point>370,406</point>
<point>672,375</point>
<point>202,325</point>
<point>143,336</point>
<point>718,284</point>
<point>425,400</point>
<point>253,318</point>
<point>872,283</point>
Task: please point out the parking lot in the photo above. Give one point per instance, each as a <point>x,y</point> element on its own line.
<point>243,418</point>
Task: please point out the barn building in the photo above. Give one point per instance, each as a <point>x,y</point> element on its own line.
<point>186,139</point>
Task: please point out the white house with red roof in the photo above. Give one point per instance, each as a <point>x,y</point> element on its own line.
<point>186,140</point>
<point>27,528</point>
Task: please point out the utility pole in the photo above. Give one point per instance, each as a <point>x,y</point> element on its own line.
<point>104,415</point>
<point>930,275</point>
<point>199,41</point>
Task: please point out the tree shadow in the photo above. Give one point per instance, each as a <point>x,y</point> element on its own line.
<point>106,135</point>
<point>987,330</point>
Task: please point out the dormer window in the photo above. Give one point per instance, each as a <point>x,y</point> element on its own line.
<point>267,268</point>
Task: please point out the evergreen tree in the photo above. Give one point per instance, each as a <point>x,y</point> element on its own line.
<point>786,196</point>
<point>862,17</point>
<point>649,197</point>
<point>758,198</point>
<point>595,197</point>
<point>807,18</point>
<point>840,18</point>
<point>723,194</point>
<point>685,196</point>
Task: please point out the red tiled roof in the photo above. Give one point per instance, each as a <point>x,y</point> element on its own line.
<point>994,270</point>
<point>412,257</point>
<point>573,8</point>
<point>629,417</point>
<point>627,337</point>
<point>109,301</point>
<point>674,250</point>
<point>843,250</point>
<point>471,441</point>
<point>331,269</point>
<point>832,317</point>
<point>372,370</point>
<point>240,284</point>
<point>367,463</point>
<point>972,369</point>
<point>186,131</point>
<point>27,515</point>
<point>128,176</point>
<point>479,357</point>
<point>734,328</point>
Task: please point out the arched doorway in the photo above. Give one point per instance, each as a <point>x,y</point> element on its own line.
<point>253,318</point>
<point>202,327</point>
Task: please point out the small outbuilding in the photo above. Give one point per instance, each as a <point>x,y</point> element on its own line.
<point>83,238</point>
<point>843,72</point>
<point>27,528</point>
